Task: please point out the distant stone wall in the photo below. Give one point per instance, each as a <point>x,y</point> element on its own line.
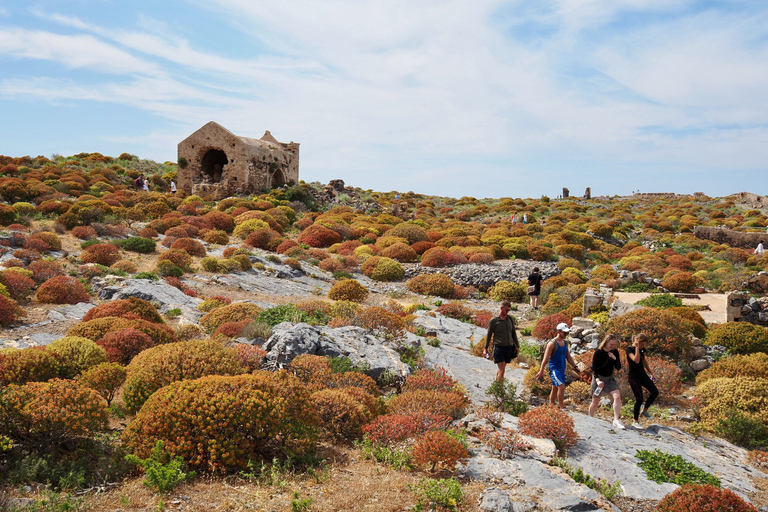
<point>729,237</point>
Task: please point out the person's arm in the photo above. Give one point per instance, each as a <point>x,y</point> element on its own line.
<point>488,336</point>
<point>634,355</point>
<point>547,354</point>
<point>617,361</point>
<point>647,367</point>
<point>598,362</point>
<point>569,357</point>
<point>514,331</point>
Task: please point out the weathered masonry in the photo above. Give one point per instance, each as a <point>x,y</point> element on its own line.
<point>215,163</point>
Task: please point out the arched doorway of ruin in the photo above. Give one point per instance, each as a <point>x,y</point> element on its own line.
<point>212,164</point>
<point>278,179</point>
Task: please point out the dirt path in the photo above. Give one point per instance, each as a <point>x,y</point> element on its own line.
<point>716,302</point>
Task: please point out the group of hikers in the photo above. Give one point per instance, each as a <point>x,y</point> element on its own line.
<point>142,183</point>
<point>606,359</point>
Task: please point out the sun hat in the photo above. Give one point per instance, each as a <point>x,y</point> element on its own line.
<point>563,327</point>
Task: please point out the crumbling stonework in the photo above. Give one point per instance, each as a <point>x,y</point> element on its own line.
<point>729,237</point>
<point>215,163</point>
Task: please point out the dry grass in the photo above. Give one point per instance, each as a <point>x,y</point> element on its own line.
<point>345,482</point>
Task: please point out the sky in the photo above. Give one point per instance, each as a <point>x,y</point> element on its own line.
<point>480,98</point>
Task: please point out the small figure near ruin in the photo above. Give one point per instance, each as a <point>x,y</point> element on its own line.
<point>760,250</point>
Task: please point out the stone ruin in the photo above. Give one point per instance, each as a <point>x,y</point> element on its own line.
<point>214,163</point>
<point>566,192</point>
<point>588,193</point>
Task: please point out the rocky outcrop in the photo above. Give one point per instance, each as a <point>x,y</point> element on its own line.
<point>486,275</point>
<point>729,237</point>
<point>163,295</point>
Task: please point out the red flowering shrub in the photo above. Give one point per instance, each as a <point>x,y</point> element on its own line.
<point>679,262</point>
<point>230,329</point>
<point>250,356</point>
<point>98,327</point>
<point>219,423</point>
<point>680,282</point>
<point>230,313</point>
<point>104,378</point>
<point>740,337</point>
<point>190,245</point>
<point>51,240</point>
<point>548,422</point>
<point>33,364</point>
<point>703,498</point>
<point>545,328</point>
<point>451,403</point>
<point>8,310</point>
<point>62,290</point>
<point>318,236</point>
<point>103,254</point>
<point>665,331</point>
<point>163,364</point>
<point>456,310</point>
<point>380,268</point>
<point>348,289</point>
<point>44,270</point>
<point>77,354</point>
<point>400,252</point>
<point>46,415</point>
<point>220,220</point>
<point>505,442</point>
<point>27,255</point>
<point>421,247</point>
<point>18,285</point>
<point>123,345</point>
<point>431,379</point>
<point>341,416</point>
<point>441,257</point>
<point>669,377</point>
<point>130,308</point>
<point>482,319</point>
<point>391,429</point>
<point>437,448</point>
<point>439,285</point>
<point>178,257</point>
<point>86,232</point>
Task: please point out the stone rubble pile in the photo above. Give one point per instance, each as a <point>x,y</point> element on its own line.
<point>484,276</point>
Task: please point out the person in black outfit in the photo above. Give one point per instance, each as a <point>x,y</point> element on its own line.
<point>505,344</point>
<point>535,280</point>
<point>639,378</point>
<point>604,361</point>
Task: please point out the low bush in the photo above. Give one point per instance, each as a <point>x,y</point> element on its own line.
<point>44,270</point>
<point>130,308</point>
<point>77,354</point>
<point>190,246</point>
<point>230,313</point>
<point>400,252</point>
<point>545,328</point>
<point>438,449</point>
<point>98,327</point>
<point>137,244</point>
<point>703,498</point>
<point>682,281</point>
<point>177,257</point>
<point>101,253</point>
<point>8,310</point>
<point>665,330</point>
<point>549,423</point>
<point>752,365</point>
<point>740,337</point>
<point>718,398</point>
<point>380,268</point>
<point>318,236</point>
<point>348,290</point>
<point>218,423</point>
<point>18,284</point>
<point>123,345</point>
<point>450,404</point>
<point>431,379</point>
<point>438,285</point>
<point>661,301</point>
<point>104,378</point>
<point>456,310</point>
<point>506,290</point>
<point>46,415</point>
<point>62,290</point>
<point>662,467</point>
<point>34,364</point>
<point>341,416</point>
<point>164,364</point>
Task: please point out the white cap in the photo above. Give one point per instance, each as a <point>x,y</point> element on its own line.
<point>563,327</point>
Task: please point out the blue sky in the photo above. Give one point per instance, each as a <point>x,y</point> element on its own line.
<point>484,98</point>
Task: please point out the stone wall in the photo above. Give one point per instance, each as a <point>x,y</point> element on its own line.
<point>729,237</point>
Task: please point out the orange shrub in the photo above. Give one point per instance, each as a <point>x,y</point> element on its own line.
<point>354,380</point>
<point>669,378</point>
<point>549,423</point>
<point>703,498</point>
<point>84,232</point>
<point>104,378</point>
<point>62,290</point>
<point>437,448</point>
<point>98,327</point>
<point>431,379</point>
<point>123,345</point>
<point>313,371</point>
<point>230,313</point>
<point>18,285</point>
<point>190,246</point>
<point>163,364</point>
<point>178,257</point>
<point>545,328</point>
<point>381,322</point>
<point>220,423</point>
<point>250,356</point>
<point>665,331</point>
<point>680,282</point>
<point>391,429</point>
<point>456,310</point>
<point>400,252</point>
<point>441,257</point>
<point>44,270</point>
<point>435,402</point>
<point>46,415</point>
<point>130,308</point>
<point>220,220</point>
<point>318,236</point>
<point>439,285</point>
<point>103,254</point>
<point>341,416</point>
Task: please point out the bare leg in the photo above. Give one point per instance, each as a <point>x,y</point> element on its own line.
<point>561,395</point>
<point>500,372</point>
<point>593,405</point>
<point>553,395</point>
<point>616,404</point>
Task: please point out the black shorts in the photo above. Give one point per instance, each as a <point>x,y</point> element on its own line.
<point>504,354</point>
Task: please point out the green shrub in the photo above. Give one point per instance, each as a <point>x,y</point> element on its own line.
<point>161,474</point>
<point>740,337</point>
<point>664,467</point>
<point>104,378</point>
<point>164,364</point>
<point>284,313</point>
<point>661,301</point>
<point>380,268</point>
<point>34,364</point>
<point>136,244</point>
<point>77,354</point>
<point>506,290</point>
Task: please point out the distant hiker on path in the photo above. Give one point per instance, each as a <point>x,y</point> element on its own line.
<point>139,182</point>
<point>534,280</point>
<point>173,187</point>
<point>146,185</point>
<point>604,361</point>
<point>759,251</point>
<point>505,343</point>
<point>556,355</point>
<point>638,377</point>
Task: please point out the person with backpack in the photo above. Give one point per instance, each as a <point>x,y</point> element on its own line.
<point>556,357</point>
<point>604,361</point>
<point>139,182</point>
<point>505,344</point>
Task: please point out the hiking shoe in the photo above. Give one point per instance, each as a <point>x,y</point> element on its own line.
<point>646,414</point>
<point>637,425</point>
<point>618,424</point>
